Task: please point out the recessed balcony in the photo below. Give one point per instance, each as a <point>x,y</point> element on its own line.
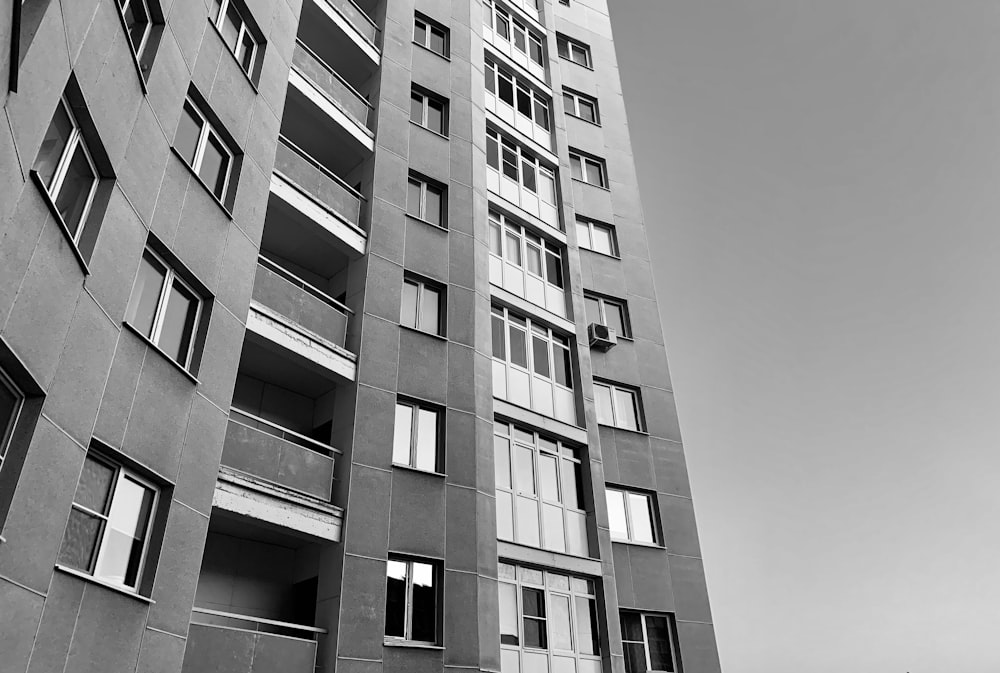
<point>239,644</point>
<point>350,19</point>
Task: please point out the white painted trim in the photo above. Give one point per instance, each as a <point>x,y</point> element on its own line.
<point>293,196</point>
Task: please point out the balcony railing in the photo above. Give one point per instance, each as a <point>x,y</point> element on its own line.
<point>284,457</point>
<point>333,86</point>
<point>224,642</point>
<point>281,290</point>
<point>318,182</point>
<point>357,18</point>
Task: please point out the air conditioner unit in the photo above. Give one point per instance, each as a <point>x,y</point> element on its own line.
<point>601,336</point>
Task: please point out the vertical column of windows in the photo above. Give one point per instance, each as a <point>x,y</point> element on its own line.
<point>526,264</point>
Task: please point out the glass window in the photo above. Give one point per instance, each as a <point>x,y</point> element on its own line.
<point>431,35</point>
<point>429,112</point>
<point>631,516</point>
<point>617,406</point>
<point>580,105</point>
<point>204,150</point>
<point>425,201</point>
<point>411,601</point>
<point>416,437</point>
<point>649,642</point>
<point>421,307</point>
<point>238,35</point>
<point>521,166</point>
<point>11,400</point>
<point>588,169</point>
<point>572,50</point>
<point>164,309</point>
<point>138,22</point>
<point>108,530</point>
<point>608,312</point>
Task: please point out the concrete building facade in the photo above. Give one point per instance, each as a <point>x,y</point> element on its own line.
<point>328,340</point>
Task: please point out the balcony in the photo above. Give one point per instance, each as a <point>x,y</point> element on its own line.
<point>352,20</point>
<point>278,455</point>
<point>221,642</point>
<point>329,91</point>
<point>315,191</point>
<point>279,289</point>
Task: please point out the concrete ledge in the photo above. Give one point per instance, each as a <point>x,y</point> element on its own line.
<point>548,559</point>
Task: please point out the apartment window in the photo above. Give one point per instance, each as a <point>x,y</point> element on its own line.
<point>532,366</point>
<point>649,642</point>
<point>608,312</point>
<point>571,50</point>
<point>431,35</point>
<point>411,601</point>
<point>534,180</point>
<point>526,100</point>
<point>422,306</point>
<point>589,169</point>
<point>203,148</point>
<point>241,38</point>
<point>11,400</point>
<point>165,309</point>
<point>109,526</point>
<point>548,621</point>
<point>138,22</point>
<point>631,516</point>
<point>526,264</point>
<point>596,236</point>
<point>581,105</point>
<point>618,407</point>
<point>539,490</point>
<point>429,110</point>
<point>521,38</point>
<point>426,200</point>
<point>417,437</point>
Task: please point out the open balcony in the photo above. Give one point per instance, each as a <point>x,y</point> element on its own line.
<point>352,19</point>
<point>241,645</point>
<point>280,290</point>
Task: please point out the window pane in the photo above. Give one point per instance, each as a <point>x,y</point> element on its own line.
<point>395,599</point>
<point>429,310</point>
<point>625,413</point>
<point>635,657</point>
<point>562,367</point>
<point>495,239</point>
<point>499,345</point>
<point>528,170</point>
<point>586,626</point>
<point>508,614</point>
<point>547,186</point>
<point>595,173</point>
<point>518,347</point>
<point>492,152</point>
<point>146,295</point>
<point>562,46</point>
<point>248,48</point>
<point>178,323</point>
<point>542,114</point>
<point>10,403</point>
<point>437,41</point>
<point>642,522</point>
<point>402,434</point>
<point>136,20</point>
<point>536,51</point>
<point>424,607</point>
<point>509,163</point>
<point>582,234</point>
<point>53,144</point>
<point>548,479</point>
<point>435,116</point>
<point>616,514</point>
<point>614,318</point>
<point>524,102</point>
<point>602,400</point>
<point>74,193</point>
<point>95,485</point>
<point>231,26</point>
<point>125,533</point>
<point>513,248</point>
<point>188,132</point>
<point>534,602</point>
<point>215,166</point>
<point>524,464</point>
<point>413,198</point>
<point>534,260</point>
<point>603,241</point>
<point>540,352</point>
<point>419,33</point>
<point>587,110</point>
<point>503,28</point>
<point>505,89</point>
<point>553,268</point>
<point>632,628</point>
<point>520,38</point>
<point>593,310</point>
<point>433,207</point>
<point>575,168</point>
<point>416,108</point>
<point>571,484</point>
<point>427,432</point>
<point>408,305</point>
<point>569,102</point>
<point>658,632</point>
<point>501,460</point>
<point>559,624</point>
<point>80,543</point>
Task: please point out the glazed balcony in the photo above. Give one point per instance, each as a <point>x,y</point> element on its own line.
<point>222,642</point>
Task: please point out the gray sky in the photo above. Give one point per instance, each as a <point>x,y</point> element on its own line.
<point>821,183</point>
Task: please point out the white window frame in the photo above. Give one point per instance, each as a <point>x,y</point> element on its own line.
<point>493,14</point>
<point>495,72</point>
<point>584,161</point>
<point>244,30</point>
<point>55,186</point>
<point>425,102</point>
<point>408,616</point>
<point>7,432</point>
<point>425,185</point>
<point>422,287</point>
<point>504,225</point>
<point>415,409</point>
<point>571,45</point>
<point>122,5</point>
<point>523,157</point>
<point>574,97</point>
<point>602,304</point>
<point>636,401</point>
<point>430,25</point>
<point>171,277</point>
<point>650,513</point>
<point>207,129</point>
<point>588,243</point>
<point>671,636</point>
<point>121,473</point>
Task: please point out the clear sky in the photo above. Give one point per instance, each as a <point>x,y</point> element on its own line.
<point>821,184</point>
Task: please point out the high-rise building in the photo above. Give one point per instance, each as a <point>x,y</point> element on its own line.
<point>328,340</point>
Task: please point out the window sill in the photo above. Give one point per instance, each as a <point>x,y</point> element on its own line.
<point>260,50</point>
<point>598,252</point>
<point>413,644</point>
<point>427,222</point>
<point>637,432</point>
<point>569,60</point>
<point>107,585</point>
<point>584,182</point>
<point>149,342</point>
<point>440,337</point>
<point>585,121</point>
<point>201,182</point>
<point>635,543</point>
<point>429,473</point>
<point>37,179</point>
<point>131,51</point>
<point>426,48</point>
<point>431,131</point>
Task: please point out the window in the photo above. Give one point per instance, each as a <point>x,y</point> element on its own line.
<point>564,2</point>
<point>608,312</point>
<point>529,180</point>
<point>429,111</point>
<point>108,532</point>
<point>539,485</point>
<point>138,22</point>
<point>430,34</point>
<point>203,148</point>
<point>532,366</point>
<point>618,407</point>
<point>588,169</point>
<point>66,170</point>
<point>165,309</point>
<point>11,400</point>
<point>416,441</point>
<point>596,236</point>
<point>547,620</point>
<point>526,264</point>
<point>411,601</point>
<point>526,100</point>
<point>572,50</point>
<point>581,105</point>
<point>421,307</point>
<point>649,643</point>
<point>239,36</point>
<point>631,516</point>
<point>426,201</point>
<point>516,34</point>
